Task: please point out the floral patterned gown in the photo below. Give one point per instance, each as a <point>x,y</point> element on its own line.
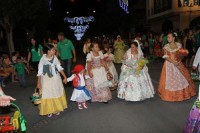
<point>175,82</point>
<point>98,85</point>
<point>192,124</point>
<point>134,87</point>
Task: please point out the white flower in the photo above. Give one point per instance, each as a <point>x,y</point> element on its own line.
<point>175,34</point>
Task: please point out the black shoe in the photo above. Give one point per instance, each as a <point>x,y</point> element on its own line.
<point>105,102</point>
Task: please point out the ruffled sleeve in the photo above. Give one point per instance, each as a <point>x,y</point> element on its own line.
<point>57,64</point>
<point>101,55</point>
<point>40,67</point>
<point>165,52</point>
<point>89,57</point>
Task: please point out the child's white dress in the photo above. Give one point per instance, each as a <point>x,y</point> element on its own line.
<point>80,94</point>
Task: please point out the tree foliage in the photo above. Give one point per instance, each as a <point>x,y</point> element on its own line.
<point>17,10</point>
<point>13,12</point>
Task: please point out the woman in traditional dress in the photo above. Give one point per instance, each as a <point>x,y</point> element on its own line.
<point>97,84</point>
<point>109,58</point>
<point>134,85</point>
<point>118,50</point>
<point>192,124</point>
<point>53,99</point>
<point>175,82</point>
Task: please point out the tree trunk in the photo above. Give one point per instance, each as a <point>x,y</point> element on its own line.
<point>10,41</point>
<point>6,24</point>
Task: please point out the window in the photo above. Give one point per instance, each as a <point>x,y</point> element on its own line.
<point>162,5</point>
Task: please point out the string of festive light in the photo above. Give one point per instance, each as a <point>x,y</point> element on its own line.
<point>124,5</point>
<point>77,25</point>
<point>79,29</point>
<point>79,20</point>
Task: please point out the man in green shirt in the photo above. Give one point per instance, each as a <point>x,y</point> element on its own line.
<point>65,49</point>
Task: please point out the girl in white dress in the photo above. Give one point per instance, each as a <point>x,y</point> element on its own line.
<point>53,99</point>
<point>80,93</point>
<point>133,86</point>
<point>109,58</point>
<point>98,84</point>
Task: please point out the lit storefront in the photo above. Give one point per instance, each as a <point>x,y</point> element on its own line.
<point>165,15</point>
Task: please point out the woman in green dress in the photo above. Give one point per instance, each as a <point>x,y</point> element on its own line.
<point>119,50</point>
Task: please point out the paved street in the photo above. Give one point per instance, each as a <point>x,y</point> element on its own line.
<point>149,116</point>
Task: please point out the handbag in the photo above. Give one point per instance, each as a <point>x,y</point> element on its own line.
<point>194,75</point>
<point>109,76</point>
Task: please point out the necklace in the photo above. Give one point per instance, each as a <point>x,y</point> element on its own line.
<point>173,46</point>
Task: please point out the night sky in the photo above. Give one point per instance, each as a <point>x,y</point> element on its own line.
<point>109,17</point>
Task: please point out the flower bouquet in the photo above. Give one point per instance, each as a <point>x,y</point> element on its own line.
<point>182,53</point>
<point>106,58</point>
<point>141,63</point>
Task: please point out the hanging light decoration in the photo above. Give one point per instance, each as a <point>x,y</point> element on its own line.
<point>79,20</point>
<point>77,25</point>
<point>50,5</point>
<point>124,5</point>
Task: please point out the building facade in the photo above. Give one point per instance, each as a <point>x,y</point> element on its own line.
<point>164,15</point>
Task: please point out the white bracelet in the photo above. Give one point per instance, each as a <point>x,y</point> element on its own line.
<point>2,94</point>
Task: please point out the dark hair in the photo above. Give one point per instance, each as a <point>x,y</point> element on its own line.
<point>134,43</point>
<point>14,53</point>
<point>92,45</point>
<point>5,56</point>
<point>47,48</point>
<point>36,45</point>
<point>175,35</point>
<point>19,58</point>
<point>61,34</point>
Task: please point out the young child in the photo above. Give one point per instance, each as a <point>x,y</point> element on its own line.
<point>109,58</point>
<point>80,93</point>
<point>20,69</point>
<point>98,83</point>
<point>53,99</point>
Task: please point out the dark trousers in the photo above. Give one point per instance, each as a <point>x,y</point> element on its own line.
<point>22,80</point>
<point>67,65</point>
<point>35,65</point>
